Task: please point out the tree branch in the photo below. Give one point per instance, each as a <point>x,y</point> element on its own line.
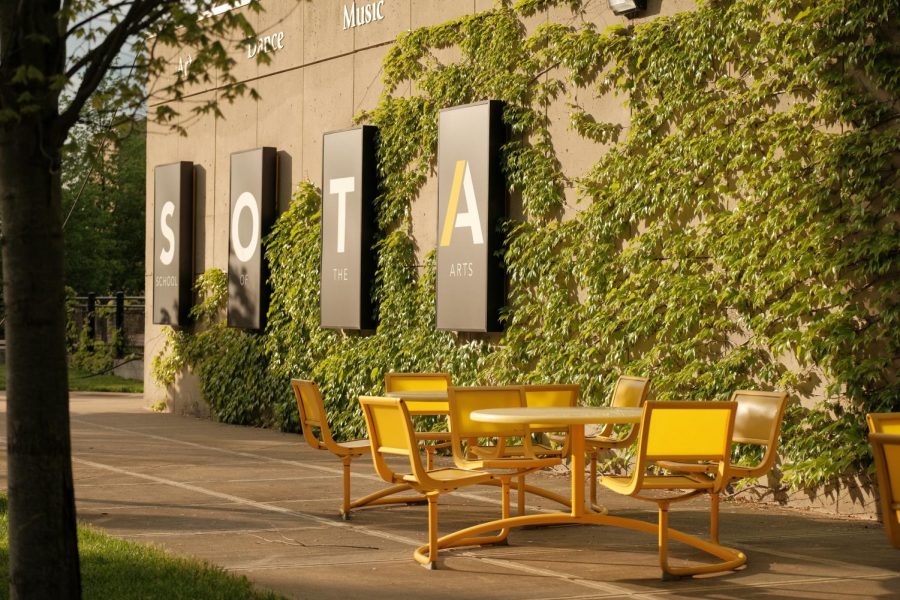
<point>97,61</point>
<point>109,9</point>
<point>128,24</point>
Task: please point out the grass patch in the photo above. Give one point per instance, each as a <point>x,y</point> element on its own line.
<point>81,381</point>
<point>114,568</point>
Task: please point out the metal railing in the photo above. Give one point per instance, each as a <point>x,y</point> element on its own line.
<point>98,317</point>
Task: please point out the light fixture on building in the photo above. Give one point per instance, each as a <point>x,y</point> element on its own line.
<point>627,8</point>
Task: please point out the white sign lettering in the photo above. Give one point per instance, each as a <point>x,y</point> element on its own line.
<point>470,218</point>
<point>168,253</point>
<point>245,201</point>
<point>265,44</point>
<point>363,14</point>
<point>342,186</point>
<point>465,269</point>
<point>183,64</point>
<point>166,281</point>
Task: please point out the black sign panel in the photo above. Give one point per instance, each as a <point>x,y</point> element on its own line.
<point>471,202</point>
<point>349,188</point>
<point>173,242</point>
<point>253,208</point>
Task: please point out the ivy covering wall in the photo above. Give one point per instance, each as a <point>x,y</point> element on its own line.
<point>741,231</point>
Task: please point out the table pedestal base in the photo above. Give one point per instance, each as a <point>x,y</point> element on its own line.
<point>730,558</point>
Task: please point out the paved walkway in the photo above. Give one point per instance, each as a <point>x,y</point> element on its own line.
<point>262,504</point>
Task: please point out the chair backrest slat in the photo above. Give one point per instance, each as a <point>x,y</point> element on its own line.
<point>884,422</point>
<point>555,395</point>
<point>758,422</point>
<point>312,412</point>
<point>630,391</point>
<point>464,400</point>
<point>389,435</point>
<point>685,431</point>
<point>419,382</point>
<point>390,432</point>
<point>309,402</point>
<point>759,415</point>
<point>416,382</point>
<point>688,430</point>
<point>891,448</point>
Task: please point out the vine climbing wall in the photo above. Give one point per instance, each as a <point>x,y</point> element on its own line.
<point>734,226</point>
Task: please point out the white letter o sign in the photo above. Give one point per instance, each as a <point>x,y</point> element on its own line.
<point>245,252</point>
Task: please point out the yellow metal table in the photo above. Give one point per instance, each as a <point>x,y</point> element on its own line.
<point>575,418</point>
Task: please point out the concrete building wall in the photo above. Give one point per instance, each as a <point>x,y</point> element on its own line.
<point>320,79</point>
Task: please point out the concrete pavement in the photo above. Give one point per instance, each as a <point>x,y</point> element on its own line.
<point>263,504</point>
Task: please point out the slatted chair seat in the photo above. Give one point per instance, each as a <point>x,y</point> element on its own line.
<point>665,482</point>
<point>355,444</point>
<point>448,475</point>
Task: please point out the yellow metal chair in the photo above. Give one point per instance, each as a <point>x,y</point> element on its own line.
<point>556,395</point>
<point>312,418</point>
<point>392,434</point>
<point>423,382</point>
<point>682,432</point>
<point>884,436</point>
<point>465,433</point>
<point>629,392</point>
<point>758,422</point>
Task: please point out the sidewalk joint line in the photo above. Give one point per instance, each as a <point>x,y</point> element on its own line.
<point>331,470</point>
<point>246,501</point>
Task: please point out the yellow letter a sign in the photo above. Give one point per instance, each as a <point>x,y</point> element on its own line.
<point>462,181</point>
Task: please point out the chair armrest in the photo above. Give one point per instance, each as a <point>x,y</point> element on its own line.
<point>891,439</point>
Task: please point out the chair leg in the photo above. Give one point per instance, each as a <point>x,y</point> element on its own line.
<point>714,517</point>
<point>429,457</point>
<point>502,537</point>
<point>663,541</point>
<point>520,494</point>
<point>593,457</point>
<point>345,504</point>
<point>423,553</point>
<point>731,559</point>
<point>504,498</point>
<point>432,531</point>
<point>427,555</point>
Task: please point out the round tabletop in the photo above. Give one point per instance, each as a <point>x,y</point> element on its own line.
<point>551,415</point>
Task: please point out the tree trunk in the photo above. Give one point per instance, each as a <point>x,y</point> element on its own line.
<point>42,537</point>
